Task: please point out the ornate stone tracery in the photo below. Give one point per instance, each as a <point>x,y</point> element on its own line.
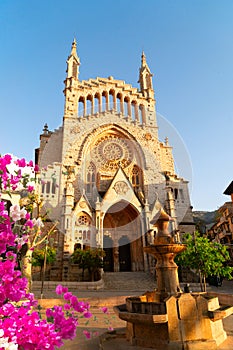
<point>110,151</point>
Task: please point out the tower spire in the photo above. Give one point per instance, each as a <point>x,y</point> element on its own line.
<point>73,62</point>
<point>145,78</point>
<point>74,48</point>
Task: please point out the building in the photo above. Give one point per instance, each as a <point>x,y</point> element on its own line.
<point>222,230</point>
<point>105,173</point>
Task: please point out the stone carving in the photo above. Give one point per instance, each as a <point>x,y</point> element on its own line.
<point>111,151</point>
<point>148,136</point>
<point>82,204</point>
<point>121,187</point>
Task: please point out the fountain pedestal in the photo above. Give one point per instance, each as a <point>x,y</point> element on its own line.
<point>166,269</point>
<point>166,318</point>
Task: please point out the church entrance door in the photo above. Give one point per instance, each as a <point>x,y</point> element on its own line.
<point>124,254</point>
<point>108,259</point>
<point>122,223</point>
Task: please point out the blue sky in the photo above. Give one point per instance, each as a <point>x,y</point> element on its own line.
<point>189,48</point>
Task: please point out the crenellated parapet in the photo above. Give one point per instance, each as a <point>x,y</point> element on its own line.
<point>94,96</point>
<point>106,94</point>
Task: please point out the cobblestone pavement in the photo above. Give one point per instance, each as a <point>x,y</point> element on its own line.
<point>116,288</point>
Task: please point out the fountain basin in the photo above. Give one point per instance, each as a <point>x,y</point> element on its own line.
<point>157,249</point>
<point>135,318</point>
<point>182,322</point>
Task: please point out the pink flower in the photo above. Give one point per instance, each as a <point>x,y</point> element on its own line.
<point>30,188</point>
<point>59,289</point>
<point>15,212</point>
<point>20,325</point>
<point>104,310</point>
<point>87,334</point>
<point>67,295</point>
<point>21,163</point>
<point>64,289</point>
<point>27,216</point>
<point>29,223</point>
<point>87,314</point>
<point>36,168</point>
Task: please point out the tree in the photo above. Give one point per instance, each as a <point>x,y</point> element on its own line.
<point>91,259</point>
<point>38,257</point>
<point>35,239</point>
<point>206,257</point>
<point>32,203</point>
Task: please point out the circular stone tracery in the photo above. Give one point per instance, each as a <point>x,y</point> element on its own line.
<point>110,151</point>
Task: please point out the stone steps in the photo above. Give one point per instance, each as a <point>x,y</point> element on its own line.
<point>129,281</point>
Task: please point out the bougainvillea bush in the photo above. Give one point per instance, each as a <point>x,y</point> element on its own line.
<point>21,326</point>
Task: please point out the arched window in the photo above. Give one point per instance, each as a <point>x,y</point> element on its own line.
<point>148,81</point>
<point>134,111</point>
<point>77,246</point>
<point>104,101</point>
<point>141,114</point>
<point>54,185</point>
<point>119,103</point>
<point>74,69</point>
<point>97,106</point>
<point>111,100</point>
<point>136,177</point>
<point>126,107</point>
<point>89,105</point>
<point>91,178</point>
<point>81,107</point>
<point>48,187</point>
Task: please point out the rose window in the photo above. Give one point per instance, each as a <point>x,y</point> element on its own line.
<point>110,151</point>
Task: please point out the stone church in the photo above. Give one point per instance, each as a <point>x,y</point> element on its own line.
<point>105,173</point>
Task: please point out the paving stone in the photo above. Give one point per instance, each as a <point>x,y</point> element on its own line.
<point>117,287</point>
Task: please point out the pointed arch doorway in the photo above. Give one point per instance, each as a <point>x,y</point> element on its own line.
<point>122,223</point>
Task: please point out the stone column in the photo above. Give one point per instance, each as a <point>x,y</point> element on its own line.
<point>143,232</point>
<point>116,259</point>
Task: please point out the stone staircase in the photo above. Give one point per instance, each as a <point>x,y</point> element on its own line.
<point>129,281</point>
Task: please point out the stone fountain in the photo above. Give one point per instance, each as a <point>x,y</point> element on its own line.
<point>167,318</point>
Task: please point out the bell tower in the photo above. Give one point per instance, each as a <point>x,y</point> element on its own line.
<point>71,82</point>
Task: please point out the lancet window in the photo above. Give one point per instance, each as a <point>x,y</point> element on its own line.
<point>136,177</point>
<point>74,69</point>
<point>91,178</point>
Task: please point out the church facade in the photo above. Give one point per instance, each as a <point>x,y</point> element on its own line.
<point>105,173</point>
